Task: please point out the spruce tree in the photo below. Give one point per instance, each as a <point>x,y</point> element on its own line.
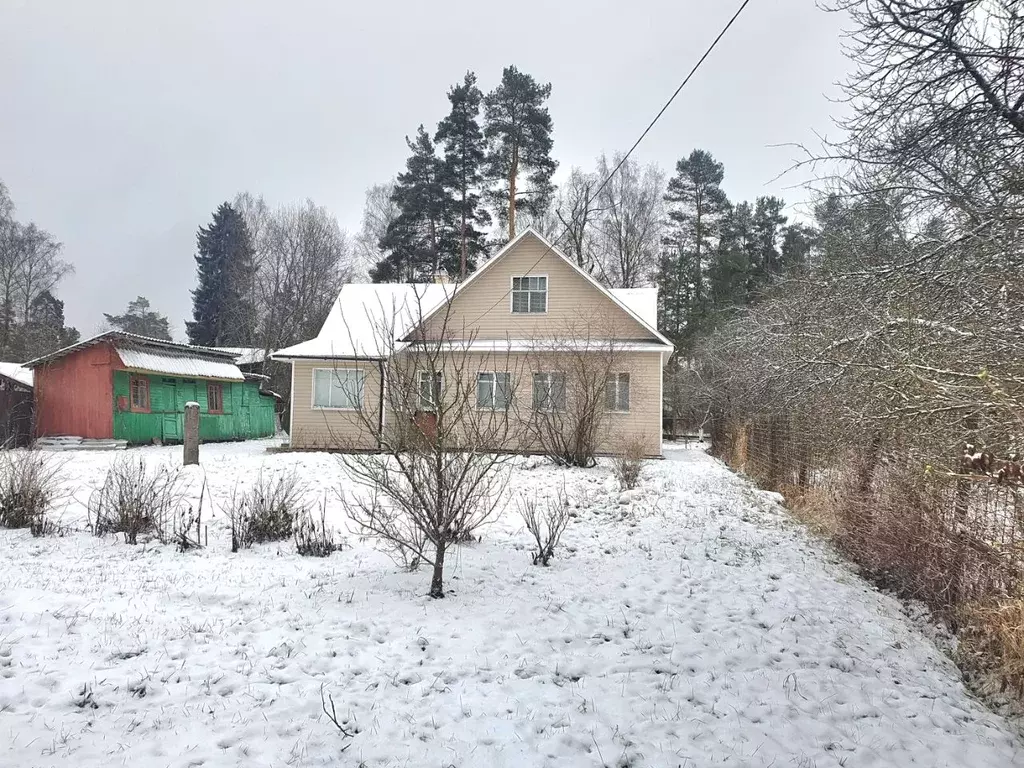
<point>734,257</point>
<point>696,206</point>
<point>462,173</point>
<point>797,243</point>
<point>420,241</point>
<point>44,330</point>
<point>221,308</point>
<point>768,222</point>
<point>141,320</point>
<point>518,126</point>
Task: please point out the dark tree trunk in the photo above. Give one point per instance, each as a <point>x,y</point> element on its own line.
<point>437,580</point>
<point>512,193</point>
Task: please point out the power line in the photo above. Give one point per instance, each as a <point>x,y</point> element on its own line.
<point>636,144</point>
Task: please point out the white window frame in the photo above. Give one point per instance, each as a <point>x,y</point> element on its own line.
<point>421,404</point>
<point>533,391</point>
<point>512,294</point>
<point>494,390</point>
<point>360,373</point>
<point>616,379</point>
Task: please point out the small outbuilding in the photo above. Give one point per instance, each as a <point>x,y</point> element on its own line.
<point>125,387</point>
<point>16,406</point>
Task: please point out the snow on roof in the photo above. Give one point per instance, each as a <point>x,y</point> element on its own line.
<point>643,302</point>
<point>176,363</point>
<point>245,355</point>
<point>17,372</point>
<point>353,328</point>
<point>365,313</point>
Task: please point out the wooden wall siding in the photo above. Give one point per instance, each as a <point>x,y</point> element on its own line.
<point>247,413</point>
<point>331,429</point>
<point>343,430</point>
<point>74,394</point>
<point>576,308</point>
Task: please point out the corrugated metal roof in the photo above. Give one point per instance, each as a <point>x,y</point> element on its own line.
<point>177,364</point>
<point>17,372</point>
<point>120,337</point>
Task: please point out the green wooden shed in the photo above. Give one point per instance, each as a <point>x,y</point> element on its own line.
<point>126,387</point>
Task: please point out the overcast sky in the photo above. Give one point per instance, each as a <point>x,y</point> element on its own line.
<point>123,123</point>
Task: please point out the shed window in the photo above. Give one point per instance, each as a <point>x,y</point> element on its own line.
<point>616,392</point>
<point>139,389</point>
<point>215,398</point>
<point>529,295</point>
<point>492,390</point>
<point>549,391</point>
<point>338,388</point>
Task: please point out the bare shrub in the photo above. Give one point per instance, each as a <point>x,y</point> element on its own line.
<point>628,464</point>
<point>546,521</point>
<point>30,484</point>
<point>44,525</point>
<point>135,500</point>
<point>313,538</point>
<point>572,393</point>
<point>189,524</point>
<point>267,510</point>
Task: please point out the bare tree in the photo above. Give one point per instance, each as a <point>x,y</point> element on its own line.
<point>577,209</point>
<point>379,212</point>
<point>629,226</point>
<point>436,476</point>
<point>30,265</point>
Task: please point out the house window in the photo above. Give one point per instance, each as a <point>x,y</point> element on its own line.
<point>215,398</point>
<point>493,390</point>
<point>340,388</point>
<point>529,295</point>
<point>429,390</point>
<point>138,386</point>
<point>549,391</point>
<point>616,392</point>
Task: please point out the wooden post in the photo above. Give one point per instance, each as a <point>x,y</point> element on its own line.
<point>191,433</point>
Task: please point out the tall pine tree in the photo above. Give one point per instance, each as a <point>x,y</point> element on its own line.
<point>518,126</point>
<point>420,241</point>
<point>463,141</point>
<point>696,206</point>
<point>221,307</point>
<point>141,320</point>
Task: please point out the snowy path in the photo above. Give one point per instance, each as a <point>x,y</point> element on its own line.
<point>696,626</point>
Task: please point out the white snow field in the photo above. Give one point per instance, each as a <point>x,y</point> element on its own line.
<point>694,626</point>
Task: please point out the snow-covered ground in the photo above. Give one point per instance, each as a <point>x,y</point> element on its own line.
<point>694,626</point>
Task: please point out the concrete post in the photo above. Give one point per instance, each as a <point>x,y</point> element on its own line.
<point>191,433</point>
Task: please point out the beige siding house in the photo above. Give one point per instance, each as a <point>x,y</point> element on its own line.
<point>512,340</point>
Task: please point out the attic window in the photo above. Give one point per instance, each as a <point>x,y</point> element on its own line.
<point>529,295</point>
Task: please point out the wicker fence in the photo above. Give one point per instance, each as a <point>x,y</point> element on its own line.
<point>946,537</point>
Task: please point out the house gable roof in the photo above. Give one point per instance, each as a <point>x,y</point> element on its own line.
<point>353,328</point>
<point>644,299</point>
